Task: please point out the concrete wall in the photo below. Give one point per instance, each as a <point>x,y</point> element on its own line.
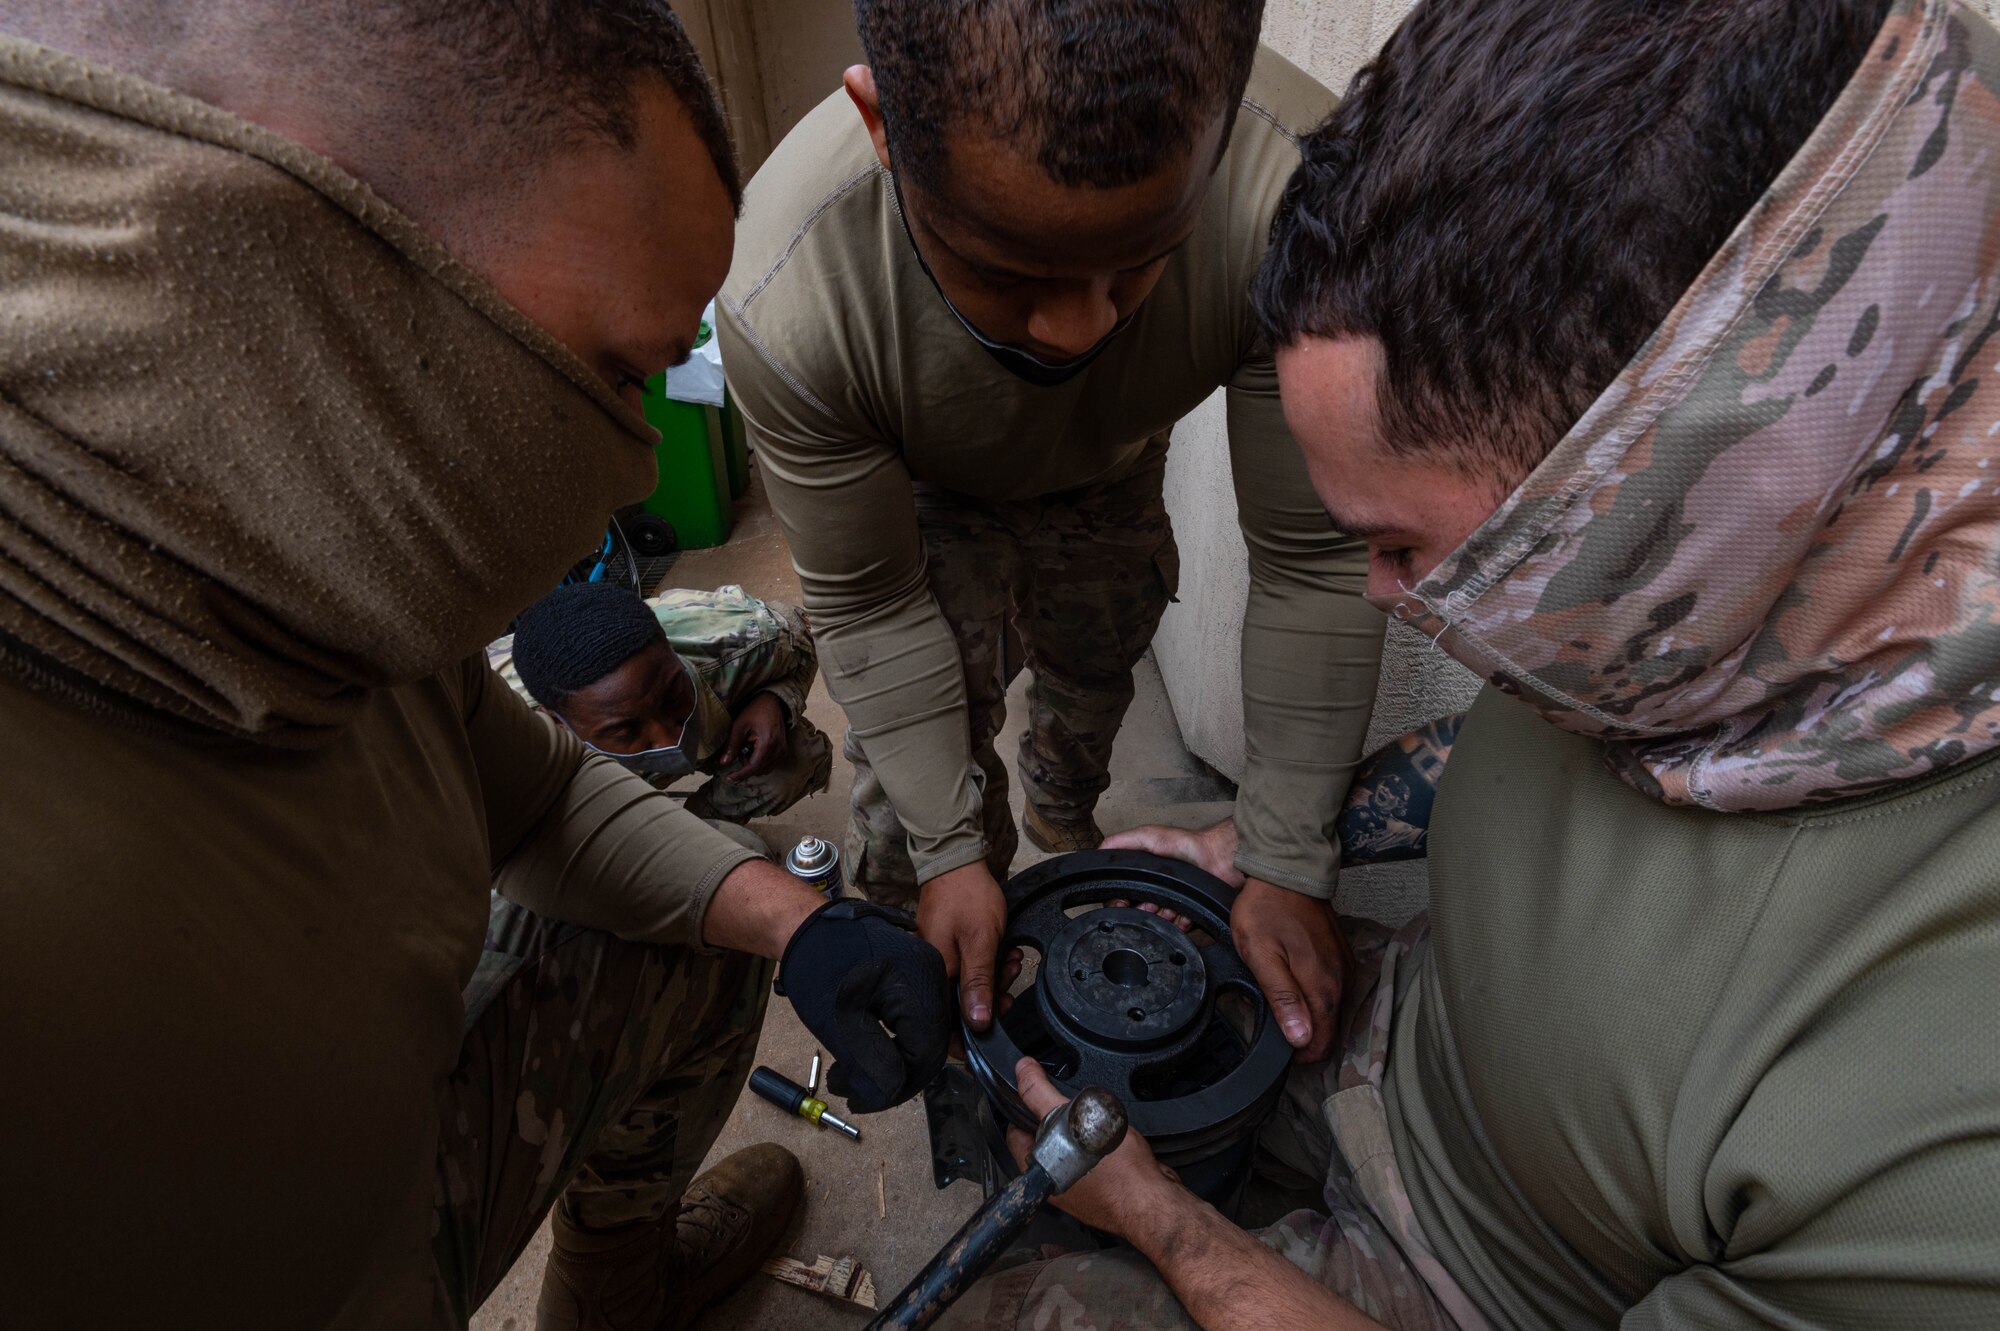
<point>773,59</point>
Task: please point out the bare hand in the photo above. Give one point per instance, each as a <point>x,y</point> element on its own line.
<point>757,741</point>
<point>1126,1184</point>
<point>1287,939</point>
<point>962,913</point>
<point>1211,848</point>
<point>1290,943</point>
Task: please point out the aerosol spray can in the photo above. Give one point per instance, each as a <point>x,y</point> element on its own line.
<point>816,863</point>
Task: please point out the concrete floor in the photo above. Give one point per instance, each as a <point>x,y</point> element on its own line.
<point>873,1199</point>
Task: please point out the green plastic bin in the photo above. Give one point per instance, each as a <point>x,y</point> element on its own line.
<point>695,486</point>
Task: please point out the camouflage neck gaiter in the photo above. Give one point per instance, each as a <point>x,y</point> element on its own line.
<point>1765,566</point>
<point>263,445</point>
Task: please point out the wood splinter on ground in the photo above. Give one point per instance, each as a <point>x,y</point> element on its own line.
<point>842,1278</point>
<point>881,1196</point>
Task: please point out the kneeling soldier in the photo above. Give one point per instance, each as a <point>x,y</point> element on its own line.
<point>686,682</point>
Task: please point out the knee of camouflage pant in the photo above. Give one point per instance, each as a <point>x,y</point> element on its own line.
<point>802,772</point>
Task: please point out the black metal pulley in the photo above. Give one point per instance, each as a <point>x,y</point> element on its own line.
<point>1171,1022</point>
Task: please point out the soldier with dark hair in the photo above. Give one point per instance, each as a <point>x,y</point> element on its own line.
<point>681,683</point>
<point>971,297</point>
<point>330,970</point>
<point>1651,346</point>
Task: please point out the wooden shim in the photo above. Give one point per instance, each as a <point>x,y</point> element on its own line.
<point>841,1278</point>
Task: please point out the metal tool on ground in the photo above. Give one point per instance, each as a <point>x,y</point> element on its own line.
<point>793,1098</point>
<point>812,1081</point>
<point>1069,1144</point>
<point>816,863</point>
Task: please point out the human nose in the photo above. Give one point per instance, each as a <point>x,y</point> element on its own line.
<point>1073,318</point>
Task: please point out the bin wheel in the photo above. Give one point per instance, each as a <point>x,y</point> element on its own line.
<point>652,535</point>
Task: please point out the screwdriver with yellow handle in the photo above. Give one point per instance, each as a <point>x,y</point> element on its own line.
<point>793,1098</point>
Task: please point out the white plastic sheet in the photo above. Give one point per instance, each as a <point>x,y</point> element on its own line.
<point>700,380</point>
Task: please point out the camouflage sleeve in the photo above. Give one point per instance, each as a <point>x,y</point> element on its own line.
<point>1312,648</point>
<point>783,664</point>
<point>581,840</point>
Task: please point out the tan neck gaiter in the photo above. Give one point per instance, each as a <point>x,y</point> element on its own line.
<point>264,446</point>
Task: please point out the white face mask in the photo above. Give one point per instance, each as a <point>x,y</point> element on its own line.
<point>671,760</point>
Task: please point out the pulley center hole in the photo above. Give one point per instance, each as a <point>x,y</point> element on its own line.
<point>1125,968</point>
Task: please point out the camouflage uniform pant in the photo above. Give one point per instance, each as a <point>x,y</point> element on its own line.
<point>1085,575</point>
<point>807,764</point>
<point>594,1071</point>
<point>1330,1128</point>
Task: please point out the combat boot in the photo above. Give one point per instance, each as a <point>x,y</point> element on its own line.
<point>1060,838</point>
<point>660,1276</point>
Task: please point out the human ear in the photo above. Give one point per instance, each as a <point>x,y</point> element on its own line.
<point>860,84</point>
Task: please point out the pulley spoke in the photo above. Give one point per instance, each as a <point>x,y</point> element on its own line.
<point>1038,925</point>
<point>1225,967</point>
<point>1099,1067</point>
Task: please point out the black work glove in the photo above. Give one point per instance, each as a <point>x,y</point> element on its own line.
<point>854,968</point>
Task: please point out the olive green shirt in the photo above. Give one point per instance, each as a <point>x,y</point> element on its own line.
<point>239,973</point>
<point>856,380</point>
<point>1666,1067</point>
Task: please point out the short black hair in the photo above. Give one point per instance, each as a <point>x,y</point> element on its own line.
<point>1103,92</point>
<point>578,634</point>
<point>551,69</point>
<point>1516,193</point>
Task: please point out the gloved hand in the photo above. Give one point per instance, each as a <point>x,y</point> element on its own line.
<point>854,968</point>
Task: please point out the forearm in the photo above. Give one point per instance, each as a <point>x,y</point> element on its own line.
<point>1387,816</point>
<point>581,840</point>
<point>612,853</point>
<point>756,909</point>
<point>1311,658</point>
<point>1225,1277</point>
<point>889,657</point>
<point>1312,649</point>
<point>902,686</point>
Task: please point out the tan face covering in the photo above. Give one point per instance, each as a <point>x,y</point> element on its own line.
<point>1766,565</point>
<point>263,445</point>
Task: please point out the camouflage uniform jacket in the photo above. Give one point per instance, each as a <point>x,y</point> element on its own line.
<point>739,647</point>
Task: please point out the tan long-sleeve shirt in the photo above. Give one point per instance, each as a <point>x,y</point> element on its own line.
<point>856,380</point>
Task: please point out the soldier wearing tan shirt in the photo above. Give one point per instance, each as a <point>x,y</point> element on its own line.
<point>965,309</point>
